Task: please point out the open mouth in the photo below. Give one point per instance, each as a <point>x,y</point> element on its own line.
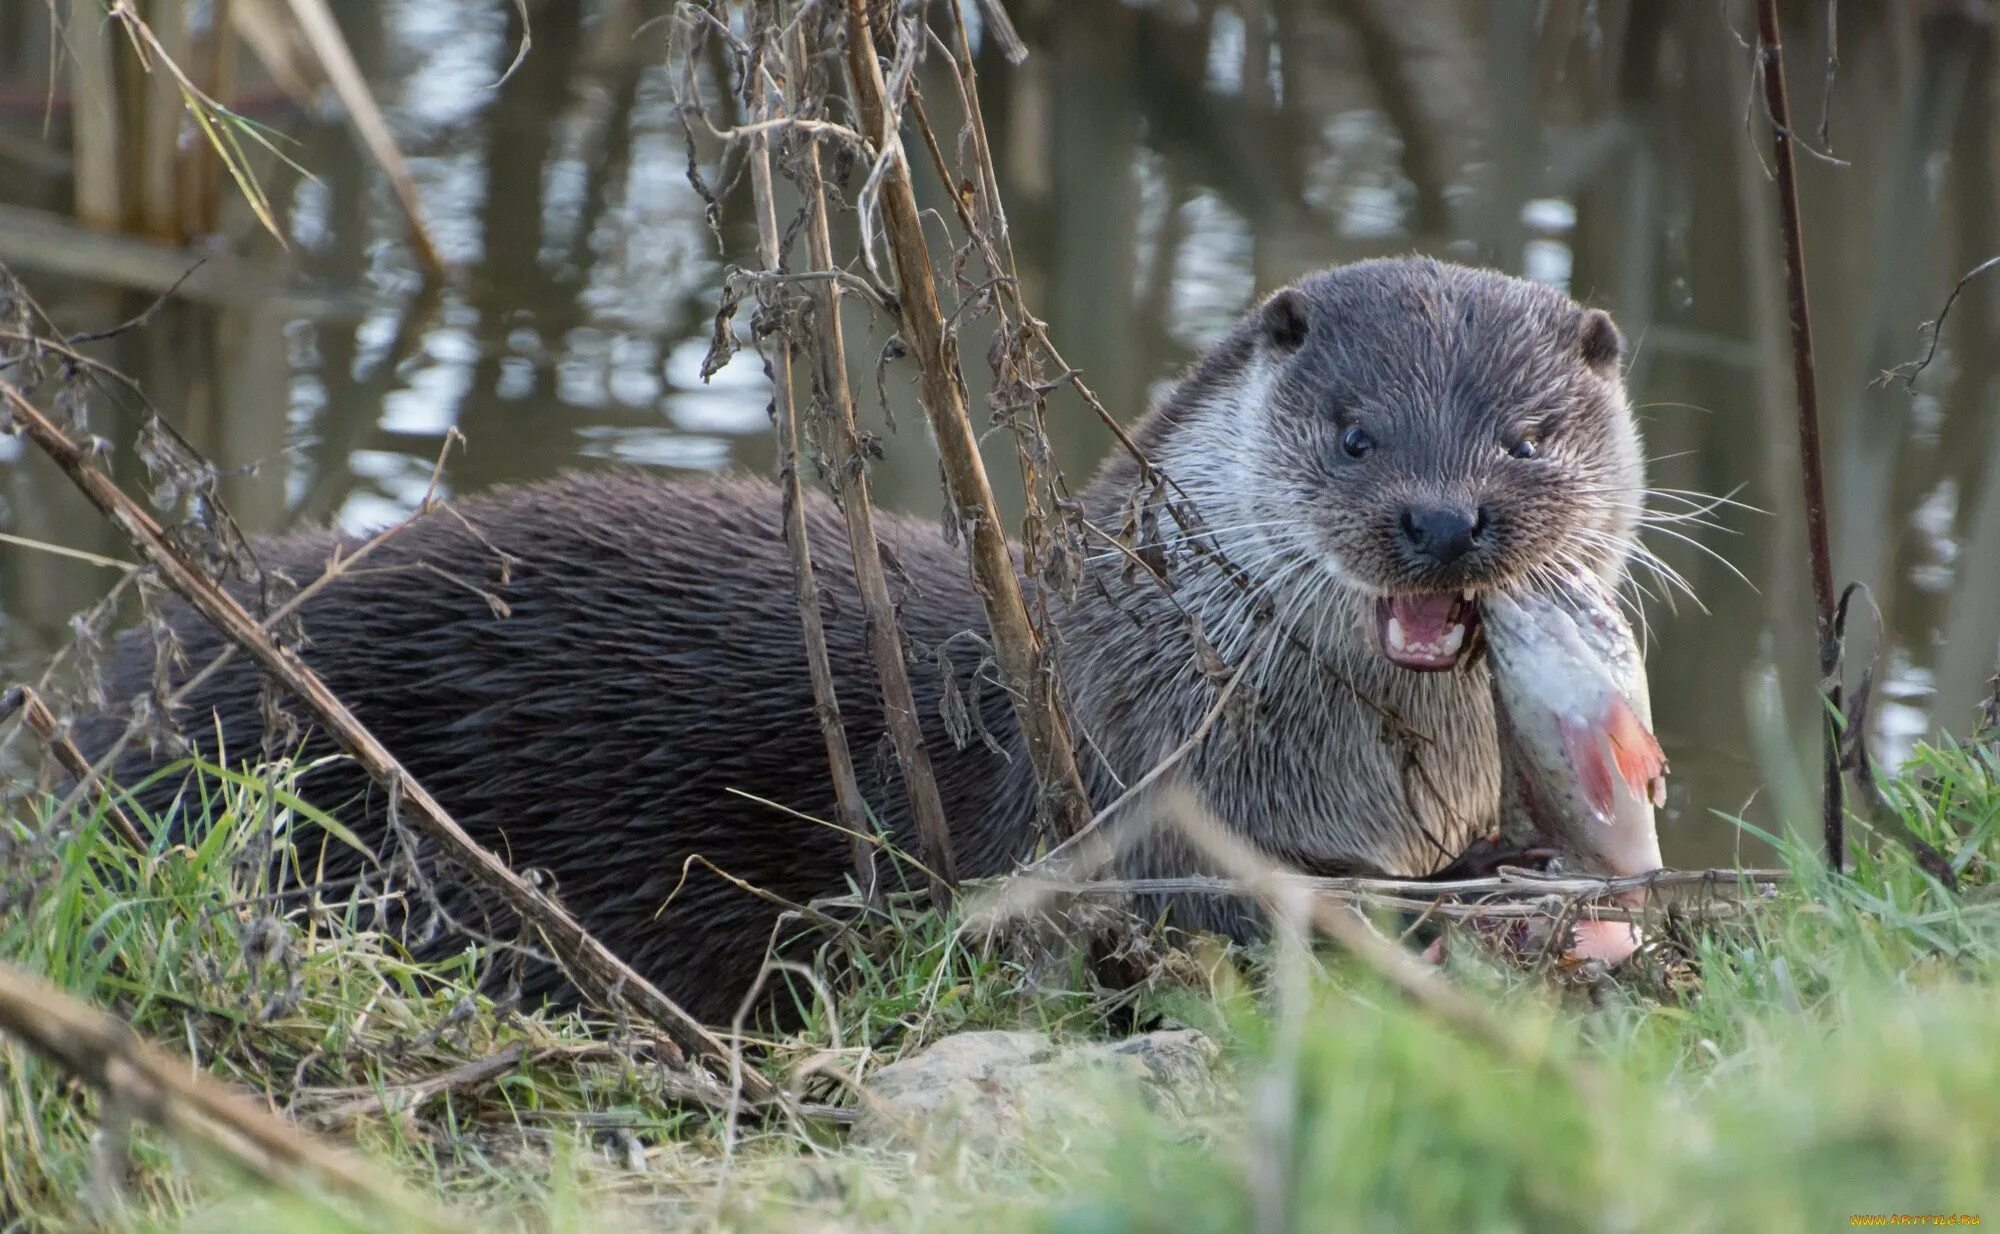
<point>1427,633</point>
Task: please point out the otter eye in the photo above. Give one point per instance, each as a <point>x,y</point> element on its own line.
<point>1524,448</point>
<point>1356,443</point>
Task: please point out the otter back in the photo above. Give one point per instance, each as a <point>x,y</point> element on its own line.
<point>648,681</point>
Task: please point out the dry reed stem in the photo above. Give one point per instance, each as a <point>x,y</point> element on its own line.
<point>595,969</point>
<point>37,716</point>
<point>1024,664</point>
<point>141,1079</point>
<point>275,45</point>
<point>850,485</point>
<point>323,35</point>
<point>1770,52</point>
<point>89,52</point>
<point>785,423</point>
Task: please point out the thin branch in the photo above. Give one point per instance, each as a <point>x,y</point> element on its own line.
<point>36,715</point>
<point>850,483</point>
<point>1514,894</point>
<point>1908,371</point>
<point>785,422</point>
<point>1000,28</point>
<point>1024,664</point>
<point>1770,50</point>
<point>322,34</point>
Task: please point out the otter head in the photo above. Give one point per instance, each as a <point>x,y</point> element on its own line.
<point>1426,432</point>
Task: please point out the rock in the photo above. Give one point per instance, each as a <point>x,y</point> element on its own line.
<point>985,1090</point>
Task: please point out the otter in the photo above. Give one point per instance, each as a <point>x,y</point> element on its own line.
<point>1368,450</point>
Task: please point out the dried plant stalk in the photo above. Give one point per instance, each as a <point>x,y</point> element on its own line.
<point>95,122</point>
<point>1024,663</point>
<point>105,1053</point>
<point>37,716</point>
<point>1526,895</point>
<point>322,33</point>
<point>596,970</point>
<point>850,482</point>
<point>785,421</point>
<point>1770,51</point>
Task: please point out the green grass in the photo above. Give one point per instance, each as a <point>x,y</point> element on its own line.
<point>1829,1054</point>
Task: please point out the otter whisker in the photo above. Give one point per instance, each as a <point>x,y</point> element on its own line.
<point>1700,502</point>
<point>1199,534</point>
<point>1633,606</point>
<point>1724,561</point>
<point>1656,519</point>
<point>1671,581</point>
<point>1710,500</point>
<point>1645,556</point>
<point>1696,513</point>
<point>1237,601</point>
<point>1673,406</point>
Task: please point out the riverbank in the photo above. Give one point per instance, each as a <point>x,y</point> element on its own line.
<point>1824,1056</point>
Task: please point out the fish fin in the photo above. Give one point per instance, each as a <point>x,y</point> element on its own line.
<point>1641,762</point>
<point>1585,748</point>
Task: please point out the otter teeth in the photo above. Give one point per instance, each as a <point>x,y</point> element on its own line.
<point>1445,645</point>
<point>1453,639</point>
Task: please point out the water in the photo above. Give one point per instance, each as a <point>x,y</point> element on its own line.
<point>1161,169</point>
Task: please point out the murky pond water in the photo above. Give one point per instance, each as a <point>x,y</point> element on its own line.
<point>1163,163</point>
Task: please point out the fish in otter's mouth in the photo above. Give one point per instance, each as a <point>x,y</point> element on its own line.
<point>1426,632</point>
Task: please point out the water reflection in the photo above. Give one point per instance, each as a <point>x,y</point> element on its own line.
<point>1162,164</point>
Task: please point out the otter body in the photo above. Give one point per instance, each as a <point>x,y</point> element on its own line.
<point>1354,448</point>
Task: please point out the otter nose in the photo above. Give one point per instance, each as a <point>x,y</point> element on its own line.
<point>1442,533</point>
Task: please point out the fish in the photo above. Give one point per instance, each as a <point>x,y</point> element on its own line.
<point>1583,772</point>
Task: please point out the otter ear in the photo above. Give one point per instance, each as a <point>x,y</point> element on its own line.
<point>1601,344</point>
<point>1285,321</point>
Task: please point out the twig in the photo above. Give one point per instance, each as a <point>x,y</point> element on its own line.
<point>131,323</point>
<point>1023,662</point>
<point>597,971</point>
<point>1770,51</point>
<point>1832,70</point>
<point>404,1097</point>
<point>850,483</point>
<point>36,715</point>
<point>1908,371</point>
<point>1000,28</point>
<point>785,422</point>
<point>63,550</point>
<point>1517,894</point>
<point>475,1074</point>
<point>761,128</point>
<point>105,1053</point>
